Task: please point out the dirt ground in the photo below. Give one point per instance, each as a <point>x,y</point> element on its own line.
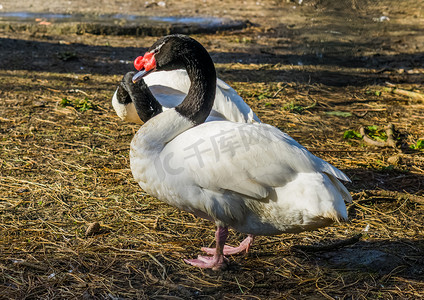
<point>318,70</point>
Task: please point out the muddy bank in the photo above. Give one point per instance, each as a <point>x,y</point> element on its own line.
<point>117,24</point>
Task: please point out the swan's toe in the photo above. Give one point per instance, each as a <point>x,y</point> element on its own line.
<point>228,250</point>
<point>218,262</point>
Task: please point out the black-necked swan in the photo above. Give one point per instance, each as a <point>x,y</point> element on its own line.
<point>170,89</point>
<point>249,177</point>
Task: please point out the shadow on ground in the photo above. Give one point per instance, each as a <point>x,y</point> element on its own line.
<point>79,58</point>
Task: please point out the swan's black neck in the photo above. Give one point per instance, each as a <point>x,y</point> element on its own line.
<point>139,93</point>
<point>198,103</point>
<point>148,107</point>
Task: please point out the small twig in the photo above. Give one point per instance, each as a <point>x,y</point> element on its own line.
<point>279,90</point>
<point>390,132</point>
<point>393,89</point>
<point>7,120</point>
<point>329,247</point>
<point>418,169</point>
<point>360,115</point>
<point>315,102</point>
<point>383,194</point>
<point>77,91</point>
<point>30,265</point>
<point>238,284</point>
<point>53,90</point>
<point>335,151</point>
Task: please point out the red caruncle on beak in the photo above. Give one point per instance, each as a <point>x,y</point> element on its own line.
<point>139,63</point>
<point>147,62</point>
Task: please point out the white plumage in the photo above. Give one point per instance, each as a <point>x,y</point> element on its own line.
<point>251,177</point>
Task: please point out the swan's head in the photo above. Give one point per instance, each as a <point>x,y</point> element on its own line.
<point>122,102</point>
<point>133,102</point>
<point>171,52</point>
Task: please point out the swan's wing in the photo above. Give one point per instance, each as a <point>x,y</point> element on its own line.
<point>168,97</point>
<point>231,105</point>
<point>247,159</point>
<point>222,85</point>
<point>175,79</point>
<point>168,87</point>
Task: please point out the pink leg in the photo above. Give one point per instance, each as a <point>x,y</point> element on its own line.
<point>228,250</point>
<point>218,261</point>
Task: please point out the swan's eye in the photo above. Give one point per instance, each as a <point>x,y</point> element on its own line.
<point>157,49</point>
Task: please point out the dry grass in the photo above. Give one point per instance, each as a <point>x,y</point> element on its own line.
<point>63,169</point>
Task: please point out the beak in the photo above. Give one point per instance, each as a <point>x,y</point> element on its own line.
<point>137,77</point>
